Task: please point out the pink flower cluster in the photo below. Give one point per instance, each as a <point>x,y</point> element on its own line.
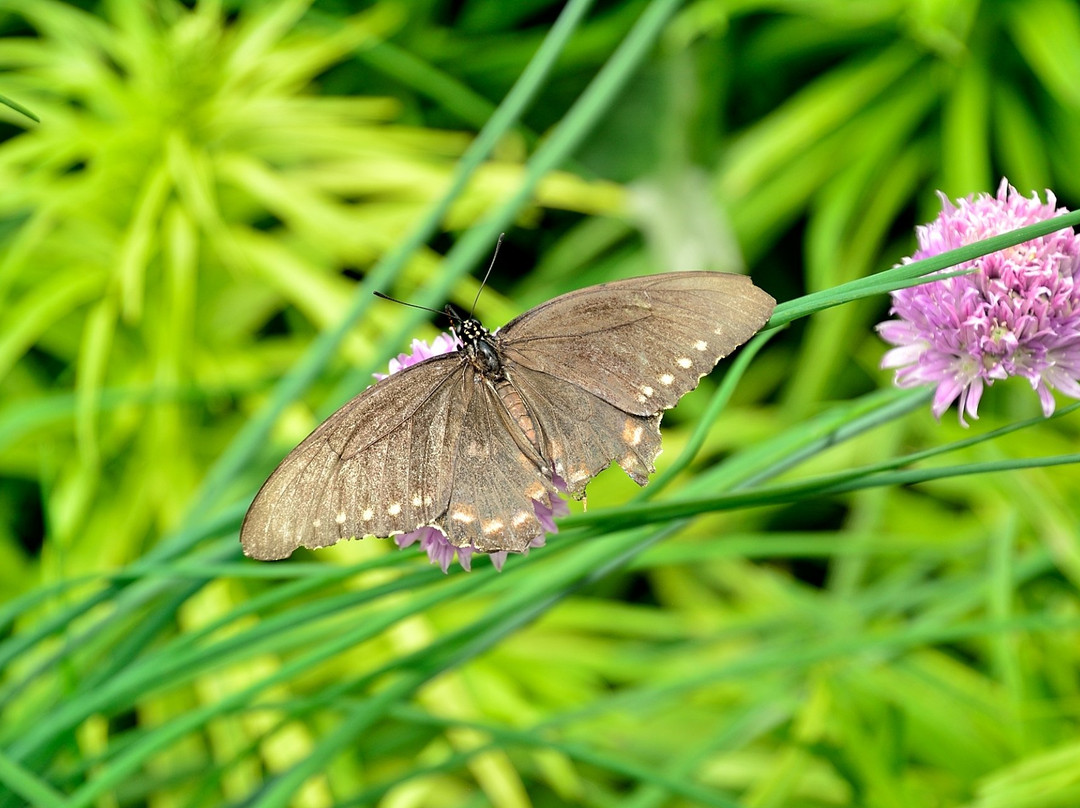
<point>432,540</point>
<point>442,344</point>
<point>1018,314</point>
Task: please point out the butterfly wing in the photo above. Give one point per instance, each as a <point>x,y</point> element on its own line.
<point>640,343</point>
<point>495,479</point>
<point>378,466</point>
<point>582,433</point>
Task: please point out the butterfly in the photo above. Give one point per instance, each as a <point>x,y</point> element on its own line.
<point>467,442</point>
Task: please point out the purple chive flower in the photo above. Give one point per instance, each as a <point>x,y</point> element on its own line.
<point>432,540</point>
<point>442,344</point>
<point>1018,314</point>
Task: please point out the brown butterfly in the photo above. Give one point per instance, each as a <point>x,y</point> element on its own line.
<point>466,442</point>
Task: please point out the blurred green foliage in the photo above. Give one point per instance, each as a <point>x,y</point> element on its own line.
<point>209,188</point>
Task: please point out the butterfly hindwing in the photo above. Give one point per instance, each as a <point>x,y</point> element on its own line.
<point>495,481</point>
<point>582,434</point>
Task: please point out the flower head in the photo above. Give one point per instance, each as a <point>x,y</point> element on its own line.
<point>432,540</point>
<point>442,344</point>
<point>1018,314</point>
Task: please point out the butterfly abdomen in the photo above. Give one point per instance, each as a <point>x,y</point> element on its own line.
<point>484,354</point>
<point>515,405</point>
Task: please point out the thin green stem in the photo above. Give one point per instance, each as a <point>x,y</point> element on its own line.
<point>899,277</point>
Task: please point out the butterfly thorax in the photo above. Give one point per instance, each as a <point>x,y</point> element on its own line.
<point>479,347</point>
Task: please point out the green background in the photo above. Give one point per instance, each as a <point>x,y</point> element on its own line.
<point>188,243</point>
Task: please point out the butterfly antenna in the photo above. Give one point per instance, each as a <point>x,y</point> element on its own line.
<point>483,283</point>
<point>448,312</point>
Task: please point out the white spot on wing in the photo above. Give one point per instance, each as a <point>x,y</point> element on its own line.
<point>648,391</point>
<point>632,433</point>
<point>367,515</point>
<point>684,362</point>
<point>417,502</point>
<point>463,516</point>
<point>340,518</point>
<point>667,379</point>
<point>520,518</point>
<point>394,509</point>
<point>700,345</point>
<point>494,526</point>
<point>579,475</point>
<point>317,523</point>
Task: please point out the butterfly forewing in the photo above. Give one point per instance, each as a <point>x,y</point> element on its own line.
<point>380,465</point>
<point>639,343</point>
